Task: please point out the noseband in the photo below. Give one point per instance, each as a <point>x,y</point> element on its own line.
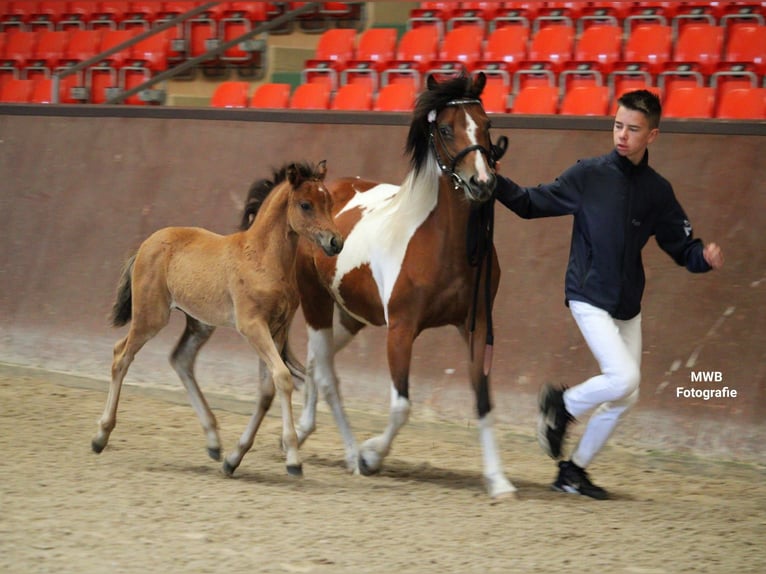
<point>491,155</point>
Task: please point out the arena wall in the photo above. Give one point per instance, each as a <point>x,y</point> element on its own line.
<point>79,190</point>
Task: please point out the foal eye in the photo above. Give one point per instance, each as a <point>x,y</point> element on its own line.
<point>305,206</point>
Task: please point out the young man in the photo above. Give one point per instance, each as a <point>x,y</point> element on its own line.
<point>618,202</point>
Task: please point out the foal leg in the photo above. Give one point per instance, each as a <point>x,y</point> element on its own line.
<point>142,328</point>
<point>399,342</point>
<point>280,380</point>
<point>182,360</point>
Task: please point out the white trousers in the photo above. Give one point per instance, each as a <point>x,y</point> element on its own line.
<point>616,345</point>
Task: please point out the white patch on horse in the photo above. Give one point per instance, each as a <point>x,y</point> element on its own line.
<point>390,216</point>
<point>481,167</point>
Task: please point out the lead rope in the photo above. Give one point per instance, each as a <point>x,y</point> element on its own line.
<point>482,224</point>
<point>479,247</point>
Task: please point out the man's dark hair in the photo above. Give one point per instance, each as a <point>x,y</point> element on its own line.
<point>644,101</point>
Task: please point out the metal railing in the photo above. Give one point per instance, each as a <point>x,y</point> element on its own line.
<point>183,66</point>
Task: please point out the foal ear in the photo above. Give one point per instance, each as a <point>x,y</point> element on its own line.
<point>293,175</point>
<point>321,170</point>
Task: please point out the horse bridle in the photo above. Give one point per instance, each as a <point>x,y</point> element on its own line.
<point>493,154</point>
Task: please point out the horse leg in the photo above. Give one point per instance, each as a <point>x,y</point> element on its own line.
<point>277,379</point>
<point>494,477</point>
<point>143,327</point>
<point>182,360</point>
<point>399,348</point>
<point>320,368</point>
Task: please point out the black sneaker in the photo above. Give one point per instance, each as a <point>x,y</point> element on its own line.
<point>552,421</point>
<point>574,480</point>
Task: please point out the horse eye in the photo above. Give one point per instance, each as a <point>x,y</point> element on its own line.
<point>305,206</point>
<point>446,131</point>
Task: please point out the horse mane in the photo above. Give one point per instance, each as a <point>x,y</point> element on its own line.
<point>435,98</point>
<point>261,188</point>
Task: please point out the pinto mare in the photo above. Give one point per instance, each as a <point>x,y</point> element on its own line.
<point>406,265</point>
<point>245,280</point>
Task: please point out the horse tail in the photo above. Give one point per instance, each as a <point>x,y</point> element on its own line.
<point>255,197</point>
<point>122,310</point>
<point>296,368</point>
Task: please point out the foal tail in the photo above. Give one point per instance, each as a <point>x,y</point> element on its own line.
<point>122,309</point>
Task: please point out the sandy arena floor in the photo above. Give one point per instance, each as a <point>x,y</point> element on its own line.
<point>154,502</point>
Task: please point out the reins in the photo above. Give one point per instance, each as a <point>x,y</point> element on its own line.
<point>481,226</point>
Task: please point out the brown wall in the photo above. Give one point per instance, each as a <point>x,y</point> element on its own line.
<point>77,195</point>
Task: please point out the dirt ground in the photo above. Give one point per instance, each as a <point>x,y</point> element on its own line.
<point>154,502</point>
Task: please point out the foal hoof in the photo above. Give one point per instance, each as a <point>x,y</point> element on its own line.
<point>295,469</point>
<point>365,469</point>
<point>214,453</point>
<point>97,446</point>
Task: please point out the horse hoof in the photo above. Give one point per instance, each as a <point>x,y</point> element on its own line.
<point>295,469</point>
<point>97,446</point>
<point>228,469</point>
<point>214,453</point>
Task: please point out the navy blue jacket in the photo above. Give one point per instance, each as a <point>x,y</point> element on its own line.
<point>617,206</point>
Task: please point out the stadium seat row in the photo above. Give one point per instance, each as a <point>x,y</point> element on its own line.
<point>581,100</point>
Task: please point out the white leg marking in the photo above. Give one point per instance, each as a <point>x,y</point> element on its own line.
<point>494,477</point>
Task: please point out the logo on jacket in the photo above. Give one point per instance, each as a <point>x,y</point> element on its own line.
<point>687,227</point>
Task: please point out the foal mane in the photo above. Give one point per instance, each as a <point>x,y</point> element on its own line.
<point>261,188</point>
<point>435,98</point>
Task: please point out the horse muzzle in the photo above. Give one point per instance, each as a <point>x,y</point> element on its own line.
<point>331,244</point>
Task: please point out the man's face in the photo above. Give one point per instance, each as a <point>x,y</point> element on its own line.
<point>632,134</point>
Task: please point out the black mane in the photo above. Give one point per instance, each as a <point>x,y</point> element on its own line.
<point>436,98</point>
<point>261,188</point>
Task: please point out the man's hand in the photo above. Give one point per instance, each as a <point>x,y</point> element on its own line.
<point>713,255</point>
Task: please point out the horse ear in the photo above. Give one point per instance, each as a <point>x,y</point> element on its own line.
<point>479,82</point>
<point>432,83</point>
<point>322,169</point>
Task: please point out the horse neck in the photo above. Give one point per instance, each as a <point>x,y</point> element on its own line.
<point>432,186</point>
<point>270,234</point>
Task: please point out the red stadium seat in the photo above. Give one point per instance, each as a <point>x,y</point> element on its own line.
<point>494,98</point>
<point>742,104</point>
<point>509,45</point>
<point>420,45</point>
<point>650,43</point>
<point>151,52</point>
<point>689,102</point>
<point>463,44</point>
<point>83,45</point>
<point>231,95</point>
<point>42,90</point>
<point>376,47</point>
<point>49,50</point>
<point>586,101</point>
<point>601,44</point>
<point>395,98</point>
<point>239,18</point>
<point>271,96</point>
<point>310,97</point>
<point>112,38</point>
<point>16,90</point>
<point>542,100</point>
<point>19,47</point>
<point>701,44</point>
<point>353,97</point>
<point>747,44</point>
<point>334,50</point>
<point>554,44</point>
<point>416,51</point>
